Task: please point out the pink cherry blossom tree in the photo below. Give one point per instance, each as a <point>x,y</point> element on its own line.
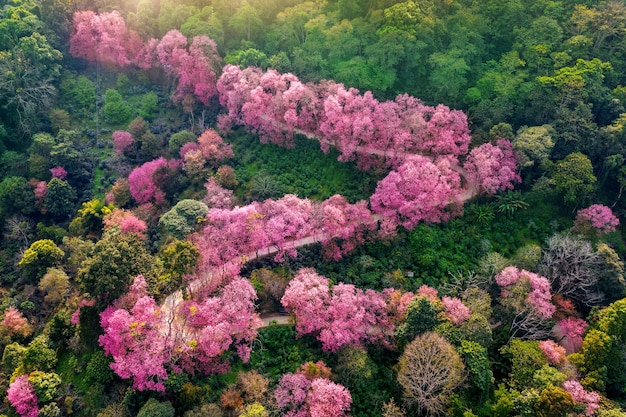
<point>433,131</point>
<point>14,323</point>
<point>142,182</point>
<point>455,310</point>
<point>126,221</point>
<point>493,167</point>
<point>343,315</point>
<point>554,352</point>
<point>286,220</point>
<point>122,141</point>
<point>213,148</point>
<point>21,394</point>
<point>147,341</point>
<point>343,225</point>
<point>103,38</point>
<point>58,172</point>
<point>580,395</point>
<point>573,330</point>
<point>296,396</point>
<point>229,237</point>
<point>597,219</point>
<point>419,190</point>
<point>527,296</point>
<point>136,341</point>
<point>217,196</point>
<point>328,399</point>
<point>234,87</point>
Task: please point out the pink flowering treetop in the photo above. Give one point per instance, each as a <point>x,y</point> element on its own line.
<point>455,310</point>
<point>196,76</point>
<point>230,235</point>
<point>554,352</point>
<point>296,396</point>
<point>429,292</point>
<point>528,297</point>
<point>58,172</point>
<point>597,218</point>
<point>40,190</point>
<point>103,38</point>
<point>343,225</point>
<point>580,395</point>
<point>217,196</point>
<point>348,121</point>
<point>234,87</point>
<point>419,190</point>
<point>142,184</point>
<point>15,323</point>
<point>286,220</point>
<point>126,221</point>
<point>308,296</point>
<point>343,315</point>
<point>136,341</point>
<point>146,341</point>
<point>193,64</point>
<point>213,148</point>
<point>433,131</point>
<point>573,330</point>
<point>493,167</point>
<point>223,320</point>
<point>21,394</point>
<point>270,112</point>
<point>122,141</point>
<point>538,297</point>
<point>328,399</point>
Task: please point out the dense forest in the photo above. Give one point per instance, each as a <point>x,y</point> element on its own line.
<point>312,208</point>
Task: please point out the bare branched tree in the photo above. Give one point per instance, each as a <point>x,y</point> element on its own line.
<point>572,266</point>
<point>430,370</point>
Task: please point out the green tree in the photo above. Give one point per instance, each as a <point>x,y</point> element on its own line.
<point>533,145</point>
<point>178,139</point>
<point>116,110</point>
<point>525,357</point>
<point>554,402</point>
<point>46,385</point>
<point>40,256</point>
<point>155,408</point>
<point>574,179</point>
<point>112,264</point>
<point>205,22</point>
<point>16,196</point>
<point>245,22</point>
<point>178,258</point>
<point>149,107</point>
<point>38,356</point>
<point>79,93</point>
<point>183,218</point>
<point>477,362</point>
<point>60,198</point>
<point>55,283</point>
<point>421,317</point>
